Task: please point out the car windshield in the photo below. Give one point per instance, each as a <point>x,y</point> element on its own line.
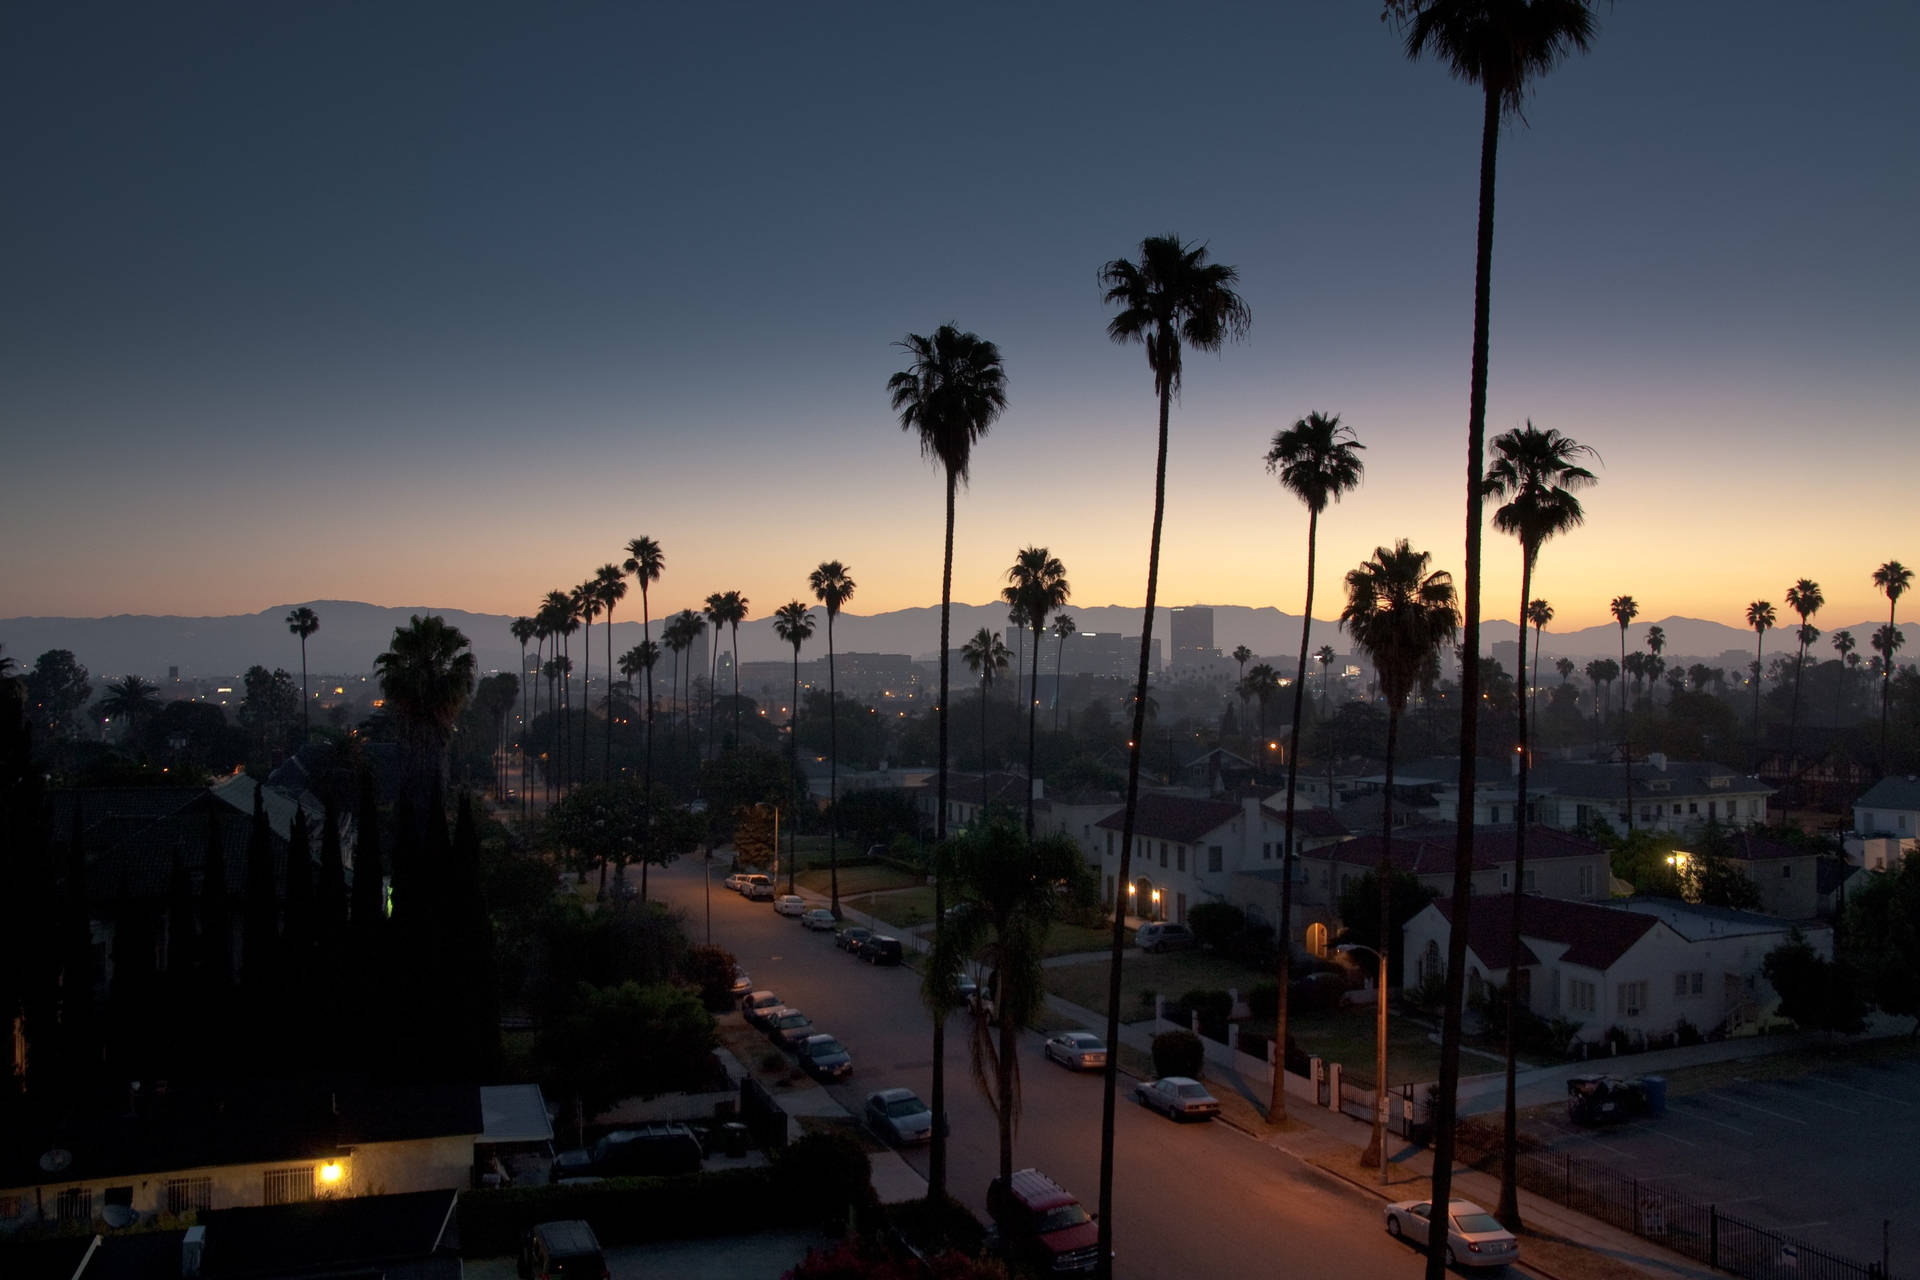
<point>1476,1224</point>
<point>906,1107</point>
<point>790,1019</point>
<point>824,1048</point>
<point>1067,1215</point>
<point>1192,1091</point>
<point>1085,1042</point>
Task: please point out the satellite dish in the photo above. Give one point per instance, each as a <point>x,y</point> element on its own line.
<point>118,1215</point>
<point>56,1160</point>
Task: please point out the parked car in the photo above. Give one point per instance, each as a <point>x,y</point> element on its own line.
<point>881,949</point>
<point>1164,936</point>
<point>790,904</point>
<point>966,988</point>
<point>742,982</point>
<point>759,888</point>
<point>899,1116</point>
<point>736,882</point>
<point>1036,1218</point>
<point>757,1006</point>
<point>1077,1050</point>
<point>1178,1098</point>
<point>562,1251</point>
<point>787,1027</point>
<point>1598,1099</point>
<point>850,938</point>
<point>825,1058</point>
<point>1475,1237</point>
<point>1318,992</point>
<point>646,1151</point>
<point>818,918</point>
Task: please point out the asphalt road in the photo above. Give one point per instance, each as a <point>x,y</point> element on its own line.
<point>1199,1199</point>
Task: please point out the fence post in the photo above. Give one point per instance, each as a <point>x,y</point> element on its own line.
<point>1636,1207</point>
<point>1713,1235</point>
<point>1569,1179</point>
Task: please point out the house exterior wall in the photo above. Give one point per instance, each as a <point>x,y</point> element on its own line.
<point>1788,887</point>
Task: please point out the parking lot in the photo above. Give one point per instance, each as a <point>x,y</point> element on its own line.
<point>1826,1156</point>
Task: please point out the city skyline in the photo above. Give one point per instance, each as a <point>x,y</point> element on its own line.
<point>336,304</point>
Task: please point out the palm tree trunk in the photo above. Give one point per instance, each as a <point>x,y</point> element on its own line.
<point>713,692</point>
<point>606,766</point>
<point>1793,717</point>
<point>1535,701</point>
<point>735,627</point>
<point>305,727</point>
<point>1886,687</point>
<point>1003,1067</point>
<point>1375,1156</point>
<point>1626,727</point>
<point>646,644</point>
<point>1443,1145</point>
<point>937,1153</point>
<point>1509,1209</point>
<point>1759,654</point>
<point>1033,712</point>
<point>833,777</point>
<point>1059,668</point>
<point>1277,1100</point>
<point>793,757</point>
<point>1118,949</point>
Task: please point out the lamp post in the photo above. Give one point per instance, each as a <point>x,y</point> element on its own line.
<point>1377,1148</point>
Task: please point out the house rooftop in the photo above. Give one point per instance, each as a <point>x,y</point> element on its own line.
<point>1694,921</point>
<point>1654,776</point>
<point>1891,793</point>
<point>1594,936</point>
<point>1169,817</point>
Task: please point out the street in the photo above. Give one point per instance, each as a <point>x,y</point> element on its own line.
<point>1188,1199</point>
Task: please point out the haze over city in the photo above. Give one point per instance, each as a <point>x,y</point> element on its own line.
<point>364,303</point>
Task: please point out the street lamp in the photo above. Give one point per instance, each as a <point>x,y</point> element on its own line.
<point>1157,913</point>
<point>1377,1147</point>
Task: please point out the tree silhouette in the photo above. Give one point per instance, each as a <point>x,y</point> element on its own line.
<point>792,624</point>
<point>303,622</point>
<point>1037,587</point>
<point>832,586</point>
<point>1063,626</point>
<point>1760,617</point>
<point>1892,578</point>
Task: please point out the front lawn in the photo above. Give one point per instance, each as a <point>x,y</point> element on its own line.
<point>903,909</point>
<point>1170,973</point>
<point>1346,1036</point>
<point>1074,939</point>
<point>869,877</point>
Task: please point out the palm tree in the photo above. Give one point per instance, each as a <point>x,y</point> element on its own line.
<point>557,609</point>
<point>1172,298</point>
<point>426,677</point>
<point>793,624</point>
<point>715,611</point>
<point>736,614</point>
<point>131,699</point>
<point>1063,626</point>
<point>1017,620</point>
<point>613,589</point>
<point>1501,46</point>
<point>1537,473</point>
<point>681,633</point>
<point>1317,460</point>
<point>1625,609</point>
<point>542,632</point>
<point>1844,645</point>
<point>646,562</point>
<point>1539,613</point>
<point>1399,614</point>
<point>832,586</point>
<point>1760,616</point>
<point>1325,658</point>
<point>1037,588</point>
<point>303,622</point>
<point>1010,886</point>
<point>949,396</point>
<point>1893,578</point>
<point>1242,655</point>
<point>986,655</point>
<point>1261,684</point>
<point>523,629</point>
<point>1805,599</point>
<point>589,603</point>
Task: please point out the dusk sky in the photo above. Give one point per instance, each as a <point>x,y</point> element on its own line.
<point>439,305</point>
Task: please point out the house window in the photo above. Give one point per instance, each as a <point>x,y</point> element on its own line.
<point>1216,857</point>
<point>1496,813</point>
<point>1180,857</point>
<point>1632,998</point>
<point>75,1204</point>
<point>288,1186</point>
<point>1430,967</point>
<point>1532,878</point>
<point>1586,882</point>
<point>1580,995</point>
<point>1180,906</point>
<point>1163,853</point>
<point>1693,807</point>
<point>1786,871</point>
<point>1688,984</point>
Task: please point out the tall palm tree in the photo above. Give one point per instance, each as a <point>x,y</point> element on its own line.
<point>1501,46</point>
<point>1625,609</point>
<point>1885,642</point>
<point>1760,616</point>
<point>523,629</point>
<point>1656,644</point>
<point>736,614</point>
<point>1063,626</point>
<point>793,624</point>
<point>681,633</point>
<point>613,589</point>
<point>426,676</point>
<point>1539,613</point>
<point>1324,657</point>
<point>1804,598</point>
<point>1260,684</point>
<point>646,562</point>
<point>303,622</point>
<point>561,623</point>
<point>1399,614</point>
<point>986,655</point>
<point>1843,644</point>
<point>1893,578</point>
<point>715,611</point>
<point>1242,655</point>
<point>832,586</point>
<point>588,603</point>
<point>1537,472</point>
<point>1017,620</point>
<point>1037,587</point>
<point>1317,460</point>
<point>542,632</point>
<point>1172,298</point>
<point>949,396</point>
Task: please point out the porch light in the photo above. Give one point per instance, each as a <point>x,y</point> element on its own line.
<point>331,1172</point>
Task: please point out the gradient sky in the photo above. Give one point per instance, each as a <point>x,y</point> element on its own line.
<point>439,305</point>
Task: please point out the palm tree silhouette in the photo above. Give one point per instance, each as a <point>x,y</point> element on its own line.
<point>1805,599</point>
<point>1844,645</point>
<point>1656,644</point>
<point>561,623</point>
<point>736,606</point>
<point>1325,658</point>
<point>793,624</point>
<point>1760,616</point>
<point>1317,460</point>
<point>1537,472</point>
<point>589,600</point>
<point>1399,614</point>
<point>715,612</point>
<point>1037,588</point>
<point>1893,578</point>
<point>1172,298</point>
<point>1625,609</point>
<point>832,586</point>
<point>646,562</point>
<point>986,655</point>
<point>1539,613</point>
<point>1063,626</point>
<point>1501,46</point>
<point>1260,684</point>
<point>1242,655</point>
<point>426,676</point>
<point>949,396</point>
<point>130,699</point>
<point>303,622</point>
<point>611,587</point>
<point>523,629</point>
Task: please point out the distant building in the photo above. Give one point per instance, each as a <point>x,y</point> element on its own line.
<point>1886,824</point>
<point>1105,653</point>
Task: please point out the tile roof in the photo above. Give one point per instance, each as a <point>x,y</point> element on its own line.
<point>1595,936</point>
<point>1493,843</point>
<point>1892,793</point>
<point>1490,932</point>
<point>1749,847</point>
<point>1167,817</point>
<point>1607,780</point>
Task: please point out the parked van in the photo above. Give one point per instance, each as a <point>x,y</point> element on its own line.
<point>645,1151</point>
<point>881,949</point>
<point>1164,936</point>
<point>1038,1219</point>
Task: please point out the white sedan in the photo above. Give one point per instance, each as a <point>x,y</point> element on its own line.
<point>819,918</point>
<point>790,904</point>
<point>736,882</point>
<point>1077,1050</point>
<point>1178,1098</point>
<point>1475,1237</point>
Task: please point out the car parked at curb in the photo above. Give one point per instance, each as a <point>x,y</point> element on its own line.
<point>1076,1050</point>
<point>882,949</point>
<point>851,938</point>
<point>787,1027</point>
<point>1177,1098</point>
<point>899,1116</point>
<point>818,918</point>
<point>562,1251</point>
<point>759,889</point>
<point>1475,1237</point>
<point>1164,935</point>
<point>825,1058</point>
<point>736,882</point>
<point>758,1005</point>
<point>790,904</point>
<point>742,983</point>
<point>1037,1219</point>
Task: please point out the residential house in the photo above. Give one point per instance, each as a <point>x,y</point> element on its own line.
<point>1886,823</point>
<point>1186,851</point>
<point>1786,876</point>
<point>1666,795</point>
<point>971,795</point>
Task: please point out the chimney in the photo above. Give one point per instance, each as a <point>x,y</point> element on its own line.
<point>192,1246</point>
<point>1658,759</point>
<point>1039,788</point>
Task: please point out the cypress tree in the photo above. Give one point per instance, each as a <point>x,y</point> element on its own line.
<point>216,915</point>
<point>477,975</point>
<point>260,925</point>
<point>330,898</point>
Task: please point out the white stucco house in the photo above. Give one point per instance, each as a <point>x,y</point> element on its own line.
<point>1886,824</point>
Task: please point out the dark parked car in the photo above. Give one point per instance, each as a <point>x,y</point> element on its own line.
<point>899,1116</point>
<point>852,938</point>
<point>1037,1219</point>
<point>562,1251</point>
<point>788,1027</point>
<point>647,1151</point>
<point>881,949</point>
<point>1596,1099</point>
<point>825,1058</point>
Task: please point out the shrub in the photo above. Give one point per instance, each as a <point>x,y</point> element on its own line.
<point>1216,924</point>
<point>1178,1053</point>
<point>822,1175</point>
<point>1254,947</point>
<point>709,970</point>
<point>1213,1007</point>
<point>1686,1032</point>
<point>1263,1001</point>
